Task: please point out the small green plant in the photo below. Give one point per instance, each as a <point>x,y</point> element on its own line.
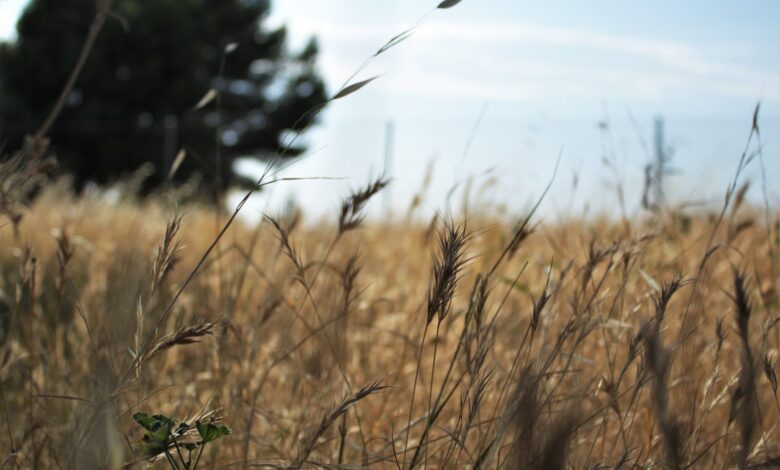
<point>163,436</point>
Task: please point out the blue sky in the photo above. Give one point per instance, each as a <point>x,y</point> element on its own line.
<point>538,77</point>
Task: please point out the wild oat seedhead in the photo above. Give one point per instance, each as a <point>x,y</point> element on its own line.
<point>351,214</point>
<point>539,305</point>
<point>167,253</point>
<point>476,343</point>
<point>20,177</point>
<point>448,264</point>
<point>477,302</point>
<point>658,360</point>
<point>180,337</point>
<point>349,276</point>
<point>744,400</point>
<point>283,234</point>
<point>741,301</point>
<point>664,296</point>
<point>65,251</point>
<point>522,231</point>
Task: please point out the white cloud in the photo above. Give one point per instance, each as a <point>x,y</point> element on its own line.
<point>520,61</point>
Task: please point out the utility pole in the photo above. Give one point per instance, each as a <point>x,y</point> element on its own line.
<point>661,161</point>
<point>388,170</point>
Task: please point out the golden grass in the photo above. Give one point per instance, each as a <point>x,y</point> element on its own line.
<point>478,344</point>
<point>589,344</point>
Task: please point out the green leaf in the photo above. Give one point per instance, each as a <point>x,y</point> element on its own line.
<point>448,4</point>
<point>348,90</point>
<point>394,41</point>
<point>209,431</point>
<point>150,448</point>
<point>158,429</point>
<point>144,420</point>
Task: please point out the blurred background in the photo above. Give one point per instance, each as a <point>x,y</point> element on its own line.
<point>480,100</point>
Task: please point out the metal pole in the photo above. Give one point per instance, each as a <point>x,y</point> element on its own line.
<point>389,148</point>
<point>660,161</point>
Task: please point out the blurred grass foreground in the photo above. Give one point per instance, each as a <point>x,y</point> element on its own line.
<point>476,342</point>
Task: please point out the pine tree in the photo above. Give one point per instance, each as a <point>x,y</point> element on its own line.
<point>135,100</point>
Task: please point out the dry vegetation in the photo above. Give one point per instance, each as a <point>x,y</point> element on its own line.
<point>471,343</point>
<point>468,342</point>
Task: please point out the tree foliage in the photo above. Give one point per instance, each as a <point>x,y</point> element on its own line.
<point>135,100</point>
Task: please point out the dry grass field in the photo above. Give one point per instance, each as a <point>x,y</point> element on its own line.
<point>151,332</point>
<point>468,343</point>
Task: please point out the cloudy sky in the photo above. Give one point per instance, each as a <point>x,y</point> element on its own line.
<point>496,90</point>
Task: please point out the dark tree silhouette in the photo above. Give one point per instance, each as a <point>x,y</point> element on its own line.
<point>135,100</point>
